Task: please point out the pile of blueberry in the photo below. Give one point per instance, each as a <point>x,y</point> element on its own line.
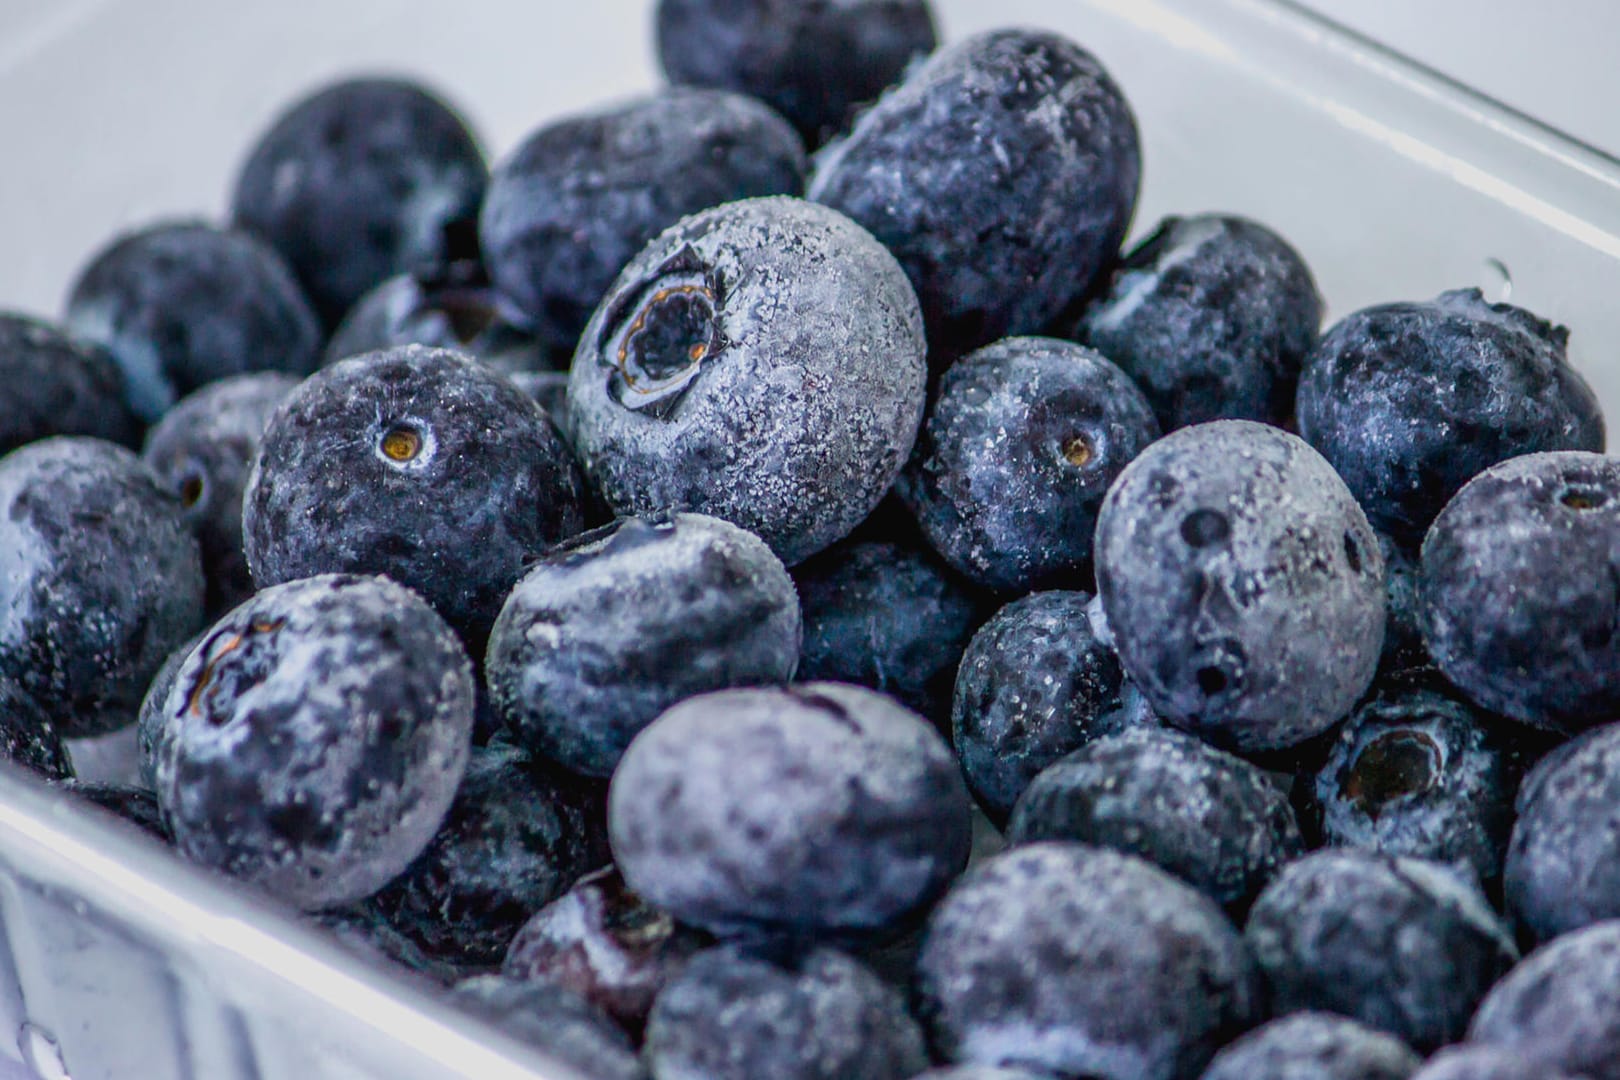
<point>759,585</point>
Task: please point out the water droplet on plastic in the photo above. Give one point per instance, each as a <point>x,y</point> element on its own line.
<point>41,1052</point>
<point>1496,282</point>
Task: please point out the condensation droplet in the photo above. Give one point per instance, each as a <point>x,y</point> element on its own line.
<point>1496,281</point>
<point>41,1052</point>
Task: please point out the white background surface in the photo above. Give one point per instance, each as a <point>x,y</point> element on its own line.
<point>114,112</point>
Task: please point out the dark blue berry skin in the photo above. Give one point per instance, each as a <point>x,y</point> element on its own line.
<point>1015,457</point>
<point>1471,1061</point>
<point>51,384</point>
<point>27,736</point>
<point>1044,171</point>
<point>316,738</point>
<point>1082,962</point>
<point>555,1021</point>
<point>1213,820</point>
<point>885,616</point>
<point>739,1014</point>
<point>179,305</point>
<point>99,580</point>
<point>615,626</point>
<point>1403,629</point>
<point>417,463</point>
<point>815,63</point>
<point>606,944</point>
<point>1314,1046</point>
<point>580,197</point>
<point>366,934</point>
<point>815,809</point>
<point>1407,946</point>
<point>1519,586</point>
<point>515,838</point>
<point>1212,316</point>
<point>359,181</point>
<point>450,308</point>
<point>135,805</point>
<point>1410,401</point>
<point>1242,583</point>
<point>1560,1007</point>
<point>202,451</point>
<point>1563,862</point>
<point>1035,684</point>
<point>1416,771</point>
<point>711,376</point>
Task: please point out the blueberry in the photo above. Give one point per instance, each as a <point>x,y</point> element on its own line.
<point>605,943</point>
<point>1485,1062</point>
<point>417,463</point>
<point>817,808</point>
<point>1083,962</point>
<point>1314,1046</point>
<point>1041,183</point>
<point>1213,820</point>
<point>1404,945</point>
<point>1243,585</point>
<point>612,628</point>
<point>317,736</point>
<point>1213,316</point>
<point>1519,587</point>
<point>515,838</point>
<point>814,63</point>
<point>1035,684</point>
<point>559,1023</point>
<point>99,579</point>
<point>137,806</point>
<point>734,1014</point>
<point>27,737</point>
<point>448,311</point>
<point>360,181</point>
<point>51,384</point>
<point>182,304</point>
<point>1560,1007</point>
<point>761,362</point>
<point>575,202</point>
<point>151,723</point>
<point>886,616</point>
<point>201,451</point>
<point>1417,772</point>
<point>1563,863</point>
<point>1409,401</point>
<point>1016,455</point>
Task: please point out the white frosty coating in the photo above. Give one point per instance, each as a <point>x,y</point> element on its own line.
<point>797,427</point>
<point>1113,967</point>
<point>1135,286</point>
<point>693,833</point>
<point>383,831</point>
<point>1288,602</point>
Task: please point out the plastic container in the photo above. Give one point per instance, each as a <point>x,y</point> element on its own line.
<point>117,960</point>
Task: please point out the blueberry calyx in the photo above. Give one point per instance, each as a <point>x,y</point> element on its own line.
<point>1393,766</point>
<point>405,443</point>
<point>210,681</point>
<point>656,343</point>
